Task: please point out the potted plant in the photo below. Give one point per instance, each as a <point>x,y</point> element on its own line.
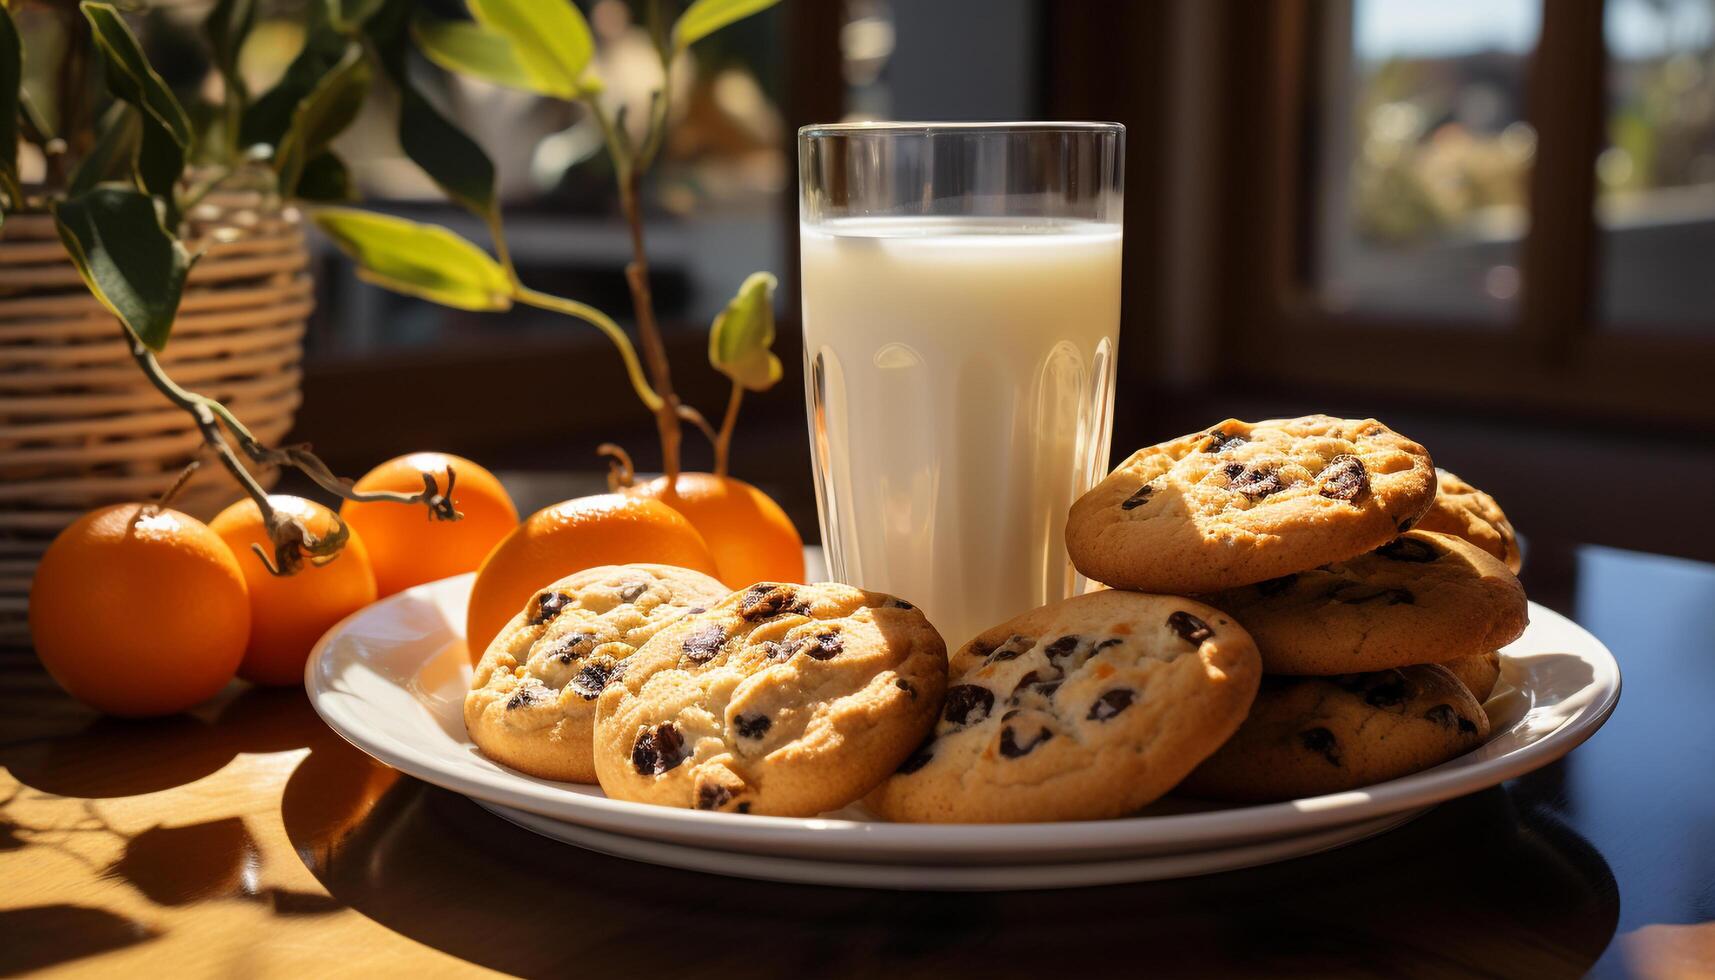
<point>147,202</point>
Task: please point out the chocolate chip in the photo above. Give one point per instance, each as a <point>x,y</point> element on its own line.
<point>765,601</point>
<point>1112,641</point>
<point>658,749</point>
<point>1388,694</point>
<point>825,646</point>
<point>1062,648</point>
<point>1446,717</point>
<point>1321,741</point>
<point>695,611</point>
<point>549,605</point>
<point>1190,629</point>
<point>1358,594</point>
<point>572,646</point>
<point>1012,749</point>
<point>712,796</point>
<point>704,642</point>
<point>906,686</point>
<point>1137,498</point>
<point>1032,680</point>
<point>631,591</point>
<point>1047,690</point>
<point>1414,550</point>
<point>1220,442</point>
<point>527,695</point>
<point>918,758</point>
<point>1111,703</point>
<point>781,652</point>
<point>592,679</point>
<point>751,725</point>
<point>1276,586</point>
<point>742,807</point>
<point>897,603</point>
<point>1253,483</point>
<point>1407,524</point>
<point>968,704</point>
<point>1011,649</point>
<point>1344,478</point>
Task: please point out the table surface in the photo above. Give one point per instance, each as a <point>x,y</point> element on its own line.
<point>245,838</point>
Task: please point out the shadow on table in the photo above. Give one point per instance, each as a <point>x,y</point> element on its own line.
<point>170,865</point>
<point>1474,886</point>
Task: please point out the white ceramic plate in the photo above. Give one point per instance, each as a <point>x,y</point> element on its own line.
<point>391,679</point>
<point>943,877</point>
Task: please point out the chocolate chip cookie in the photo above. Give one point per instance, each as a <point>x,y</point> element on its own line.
<point>1307,736</point>
<point>1463,510</point>
<point>533,696</point>
<point>1084,709</point>
<point>1245,502</point>
<point>782,699</point>
<point>1421,598</point>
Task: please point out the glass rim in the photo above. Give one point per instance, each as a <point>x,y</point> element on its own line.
<point>817,130</point>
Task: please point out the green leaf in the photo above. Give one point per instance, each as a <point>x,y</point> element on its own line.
<point>452,159</point>
<point>468,49</point>
<point>226,27</point>
<point>166,130</point>
<point>325,179</point>
<point>268,118</point>
<point>418,259</point>
<point>324,114</point>
<point>126,256</point>
<point>11,86</point>
<point>36,124</point>
<point>550,38</point>
<point>740,338</point>
<point>350,15</point>
<point>118,138</point>
<point>704,17</point>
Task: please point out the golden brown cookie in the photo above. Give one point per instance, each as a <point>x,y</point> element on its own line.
<point>1421,598</point>
<point>1462,510</point>
<point>1479,673</point>
<point>1245,502</point>
<point>532,699</point>
<point>782,699</point>
<point>1307,736</point>
<point>1086,708</point>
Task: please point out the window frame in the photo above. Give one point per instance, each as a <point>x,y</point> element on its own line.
<point>1552,356</point>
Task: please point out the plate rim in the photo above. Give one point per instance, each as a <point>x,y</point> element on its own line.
<point>1200,830</point>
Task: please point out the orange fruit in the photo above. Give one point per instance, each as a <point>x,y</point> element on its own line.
<point>139,610</point>
<point>606,529</point>
<point>288,614</point>
<point>751,538</point>
<point>407,547</point>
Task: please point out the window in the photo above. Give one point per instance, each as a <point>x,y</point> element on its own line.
<point>1656,174</point>
<point>1425,156</point>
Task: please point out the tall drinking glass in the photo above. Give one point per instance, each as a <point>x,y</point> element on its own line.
<point>961,289</point>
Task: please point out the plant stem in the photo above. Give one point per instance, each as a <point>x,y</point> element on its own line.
<point>654,351</point>
<point>291,540</point>
<point>723,441</point>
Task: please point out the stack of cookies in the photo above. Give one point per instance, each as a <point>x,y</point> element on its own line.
<point>1378,642</point>
<point>1273,628</point>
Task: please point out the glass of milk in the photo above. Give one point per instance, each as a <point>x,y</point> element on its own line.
<point>961,287</point>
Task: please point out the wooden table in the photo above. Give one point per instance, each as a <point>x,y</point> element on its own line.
<point>245,839</point>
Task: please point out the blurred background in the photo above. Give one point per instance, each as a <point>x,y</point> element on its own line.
<point>1490,223</point>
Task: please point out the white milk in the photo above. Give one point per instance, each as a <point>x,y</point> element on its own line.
<point>960,381</point>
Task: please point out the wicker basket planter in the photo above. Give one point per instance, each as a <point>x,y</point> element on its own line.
<point>79,424</point>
